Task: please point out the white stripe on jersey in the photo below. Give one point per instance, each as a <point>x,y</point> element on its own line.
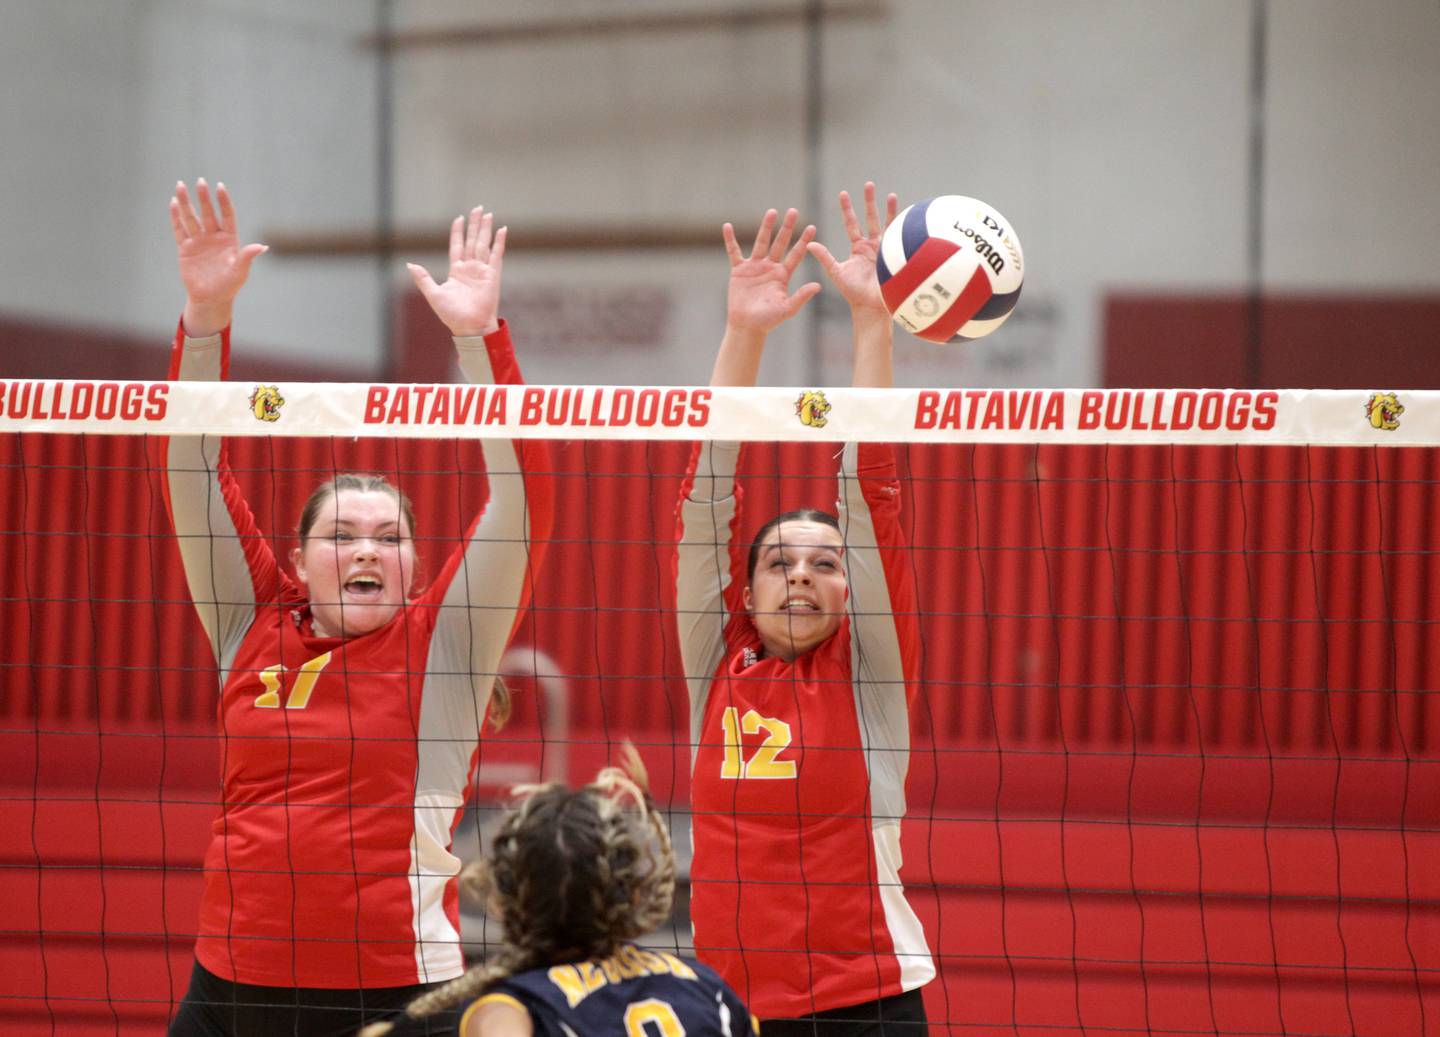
<point>916,966</point>
<point>432,866</point>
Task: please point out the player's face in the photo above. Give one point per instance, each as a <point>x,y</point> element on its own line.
<point>797,592</point>
<point>357,563</point>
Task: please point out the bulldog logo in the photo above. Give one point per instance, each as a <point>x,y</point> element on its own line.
<point>1384,410</point>
<point>265,402</point>
<point>811,408</point>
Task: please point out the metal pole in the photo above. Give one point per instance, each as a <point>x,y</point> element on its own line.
<point>814,117</point>
<point>1255,313</point>
<point>385,187</point>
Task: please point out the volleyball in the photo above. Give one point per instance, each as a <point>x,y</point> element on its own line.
<point>950,269</point>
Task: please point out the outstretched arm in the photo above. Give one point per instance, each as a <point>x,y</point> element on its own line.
<point>227,564</point>
<point>705,529</point>
<point>883,609</point>
<point>506,541</point>
<point>855,278</point>
<point>882,595</point>
<point>759,298</point>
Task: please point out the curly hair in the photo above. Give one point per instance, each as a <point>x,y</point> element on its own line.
<point>572,874</point>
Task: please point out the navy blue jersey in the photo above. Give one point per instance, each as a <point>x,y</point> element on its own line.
<point>634,993</point>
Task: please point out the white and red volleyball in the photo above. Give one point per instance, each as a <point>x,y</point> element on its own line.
<point>950,269</point>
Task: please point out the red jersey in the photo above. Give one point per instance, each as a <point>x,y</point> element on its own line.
<point>798,780</point>
<point>345,763</point>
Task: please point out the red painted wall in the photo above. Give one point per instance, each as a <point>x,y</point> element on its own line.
<point>1192,340</point>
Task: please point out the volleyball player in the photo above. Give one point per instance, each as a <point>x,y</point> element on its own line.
<point>573,876</point>
<point>801,661</point>
<point>351,699</point>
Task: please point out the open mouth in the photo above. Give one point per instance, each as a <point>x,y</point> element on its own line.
<point>364,588</point>
<point>799,605</point>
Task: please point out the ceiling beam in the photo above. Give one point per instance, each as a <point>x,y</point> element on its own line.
<point>597,26</point>
<point>619,237</point>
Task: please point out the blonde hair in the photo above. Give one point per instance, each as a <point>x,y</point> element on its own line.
<point>573,874</point>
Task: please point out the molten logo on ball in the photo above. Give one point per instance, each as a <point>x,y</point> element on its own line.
<point>954,249</point>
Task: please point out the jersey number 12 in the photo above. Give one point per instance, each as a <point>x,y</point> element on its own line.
<point>763,762</point>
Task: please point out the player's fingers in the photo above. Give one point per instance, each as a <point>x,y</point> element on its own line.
<point>457,240</point>
<point>186,211</point>
<point>872,212</point>
<point>175,224</point>
<point>497,250</point>
<point>422,278</point>
<point>473,224</point>
<point>796,254</point>
<point>825,258</point>
<point>732,247</point>
<point>847,214</point>
<point>782,240</point>
<point>248,255</point>
<point>892,207</point>
<point>802,295</point>
<point>484,231</point>
<point>762,236</point>
<point>227,208</point>
<point>205,206</point>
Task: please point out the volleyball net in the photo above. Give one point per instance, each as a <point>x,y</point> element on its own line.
<point>1175,765</point>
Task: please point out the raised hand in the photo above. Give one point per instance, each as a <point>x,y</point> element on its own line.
<point>855,276</point>
<point>213,263</point>
<point>759,297</point>
<point>468,302</point>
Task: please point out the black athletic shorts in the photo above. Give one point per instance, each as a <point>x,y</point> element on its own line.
<point>900,1016</point>
<point>215,1007</point>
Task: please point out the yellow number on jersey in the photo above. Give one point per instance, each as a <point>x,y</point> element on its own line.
<point>763,764</point>
<point>652,1011</point>
<point>309,673</point>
